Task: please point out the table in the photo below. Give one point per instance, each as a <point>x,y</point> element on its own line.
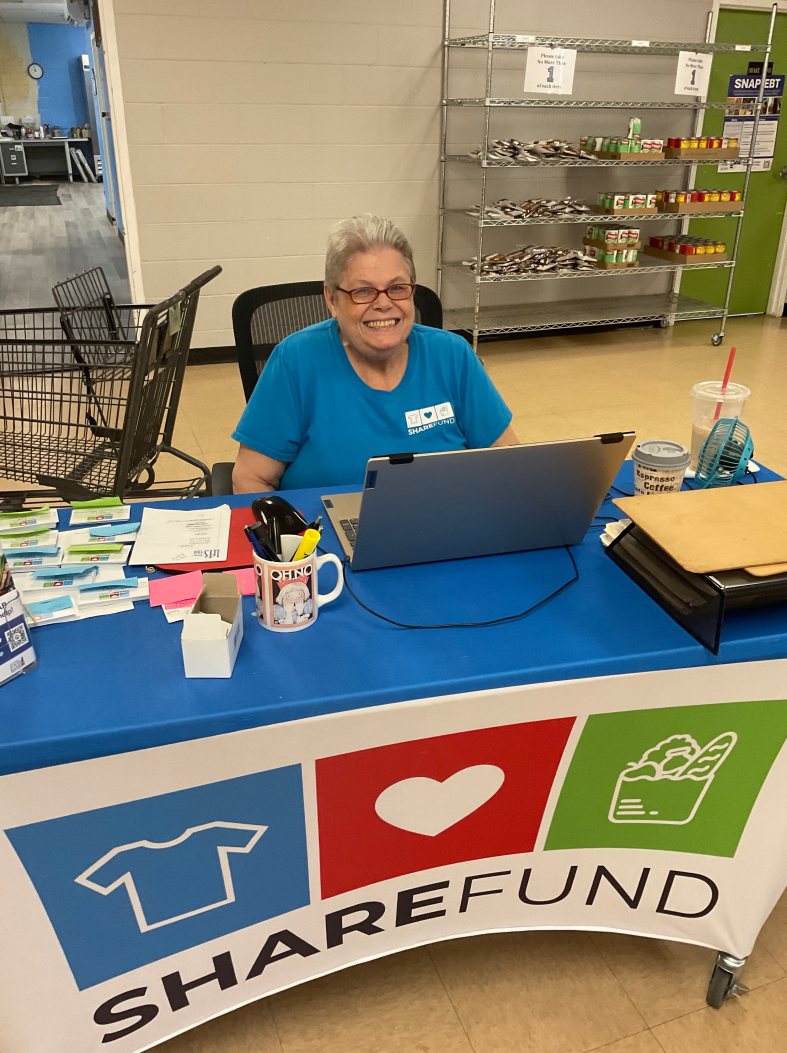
<point>175,848</point>
<point>40,160</point>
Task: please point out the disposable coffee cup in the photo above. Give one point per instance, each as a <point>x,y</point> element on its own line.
<point>706,397</point>
<point>659,466</point>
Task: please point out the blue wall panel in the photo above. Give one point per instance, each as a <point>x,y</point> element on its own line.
<point>61,91</point>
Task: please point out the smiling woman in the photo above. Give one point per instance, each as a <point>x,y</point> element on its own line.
<point>369,381</point>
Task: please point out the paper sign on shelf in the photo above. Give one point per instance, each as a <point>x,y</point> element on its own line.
<point>693,73</point>
<point>550,71</point>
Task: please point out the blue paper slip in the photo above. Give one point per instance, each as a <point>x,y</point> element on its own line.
<point>113,529</point>
<point>56,573</point>
<point>33,553</point>
<point>110,586</point>
<point>48,607</point>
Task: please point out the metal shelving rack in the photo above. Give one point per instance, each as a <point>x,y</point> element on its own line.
<point>665,308</point>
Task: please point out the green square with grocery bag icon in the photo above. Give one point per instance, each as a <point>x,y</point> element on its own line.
<point>681,779</point>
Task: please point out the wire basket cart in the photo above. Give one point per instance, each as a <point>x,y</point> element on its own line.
<point>89,394</point>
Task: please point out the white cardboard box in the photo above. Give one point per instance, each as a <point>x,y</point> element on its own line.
<point>213,630</point>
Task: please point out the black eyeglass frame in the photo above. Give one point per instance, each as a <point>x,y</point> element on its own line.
<point>394,299</point>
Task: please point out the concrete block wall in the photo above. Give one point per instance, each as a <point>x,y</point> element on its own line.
<point>253,126</point>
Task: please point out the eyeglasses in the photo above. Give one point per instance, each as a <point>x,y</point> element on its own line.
<point>393,292</point>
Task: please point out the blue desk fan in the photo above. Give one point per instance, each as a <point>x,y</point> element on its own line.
<point>725,454</point>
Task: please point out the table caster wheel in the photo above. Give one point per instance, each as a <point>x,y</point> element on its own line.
<point>716,339</point>
<point>722,986</point>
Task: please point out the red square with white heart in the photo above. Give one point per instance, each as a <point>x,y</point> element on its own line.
<point>426,803</point>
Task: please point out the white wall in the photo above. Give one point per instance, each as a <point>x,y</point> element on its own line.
<point>253,125</point>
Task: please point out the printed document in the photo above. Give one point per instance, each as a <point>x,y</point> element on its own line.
<point>200,535</point>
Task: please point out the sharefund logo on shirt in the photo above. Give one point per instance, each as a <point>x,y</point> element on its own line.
<point>428,417</point>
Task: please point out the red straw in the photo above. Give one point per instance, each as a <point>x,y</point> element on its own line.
<point>724,383</point>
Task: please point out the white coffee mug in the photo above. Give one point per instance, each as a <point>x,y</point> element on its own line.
<point>287,593</point>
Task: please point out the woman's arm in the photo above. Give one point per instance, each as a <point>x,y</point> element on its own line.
<point>256,473</point>
<point>508,438</point>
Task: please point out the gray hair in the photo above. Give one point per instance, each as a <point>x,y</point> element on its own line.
<point>362,234</point>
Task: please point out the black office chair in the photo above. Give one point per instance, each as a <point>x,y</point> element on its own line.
<point>261,318</point>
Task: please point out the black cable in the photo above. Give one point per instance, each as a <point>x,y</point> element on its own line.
<point>624,492</point>
<point>467,625</point>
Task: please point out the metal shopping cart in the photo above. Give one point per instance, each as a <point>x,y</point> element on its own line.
<point>89,394</point>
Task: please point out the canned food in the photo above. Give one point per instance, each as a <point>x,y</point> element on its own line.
<point>716,143</point>
<point>694,143</point>
<point>695,195</point>
<point>685,144</point>
<point>650,200</point>
<point>700,250</point>
<point>734,143</point>
<point>725,195</point>
<point>714,195</point>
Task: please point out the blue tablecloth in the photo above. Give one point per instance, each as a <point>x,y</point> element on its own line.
<point>113,684</point>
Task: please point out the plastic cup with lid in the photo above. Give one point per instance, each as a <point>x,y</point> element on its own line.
<point>705,400</point>
<point>659,466</point>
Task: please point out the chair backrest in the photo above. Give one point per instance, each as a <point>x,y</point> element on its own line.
<point>262,317</point>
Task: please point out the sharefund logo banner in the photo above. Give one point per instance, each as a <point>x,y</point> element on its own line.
<point>249,862</point>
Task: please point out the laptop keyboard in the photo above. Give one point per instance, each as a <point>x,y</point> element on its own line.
<point>350,528</point>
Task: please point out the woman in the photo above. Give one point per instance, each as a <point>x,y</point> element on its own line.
<point>368,381</point>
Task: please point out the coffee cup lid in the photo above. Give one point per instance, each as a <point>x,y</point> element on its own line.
<point>662,453</point>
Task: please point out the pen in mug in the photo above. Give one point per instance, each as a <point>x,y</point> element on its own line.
<point>254,542</point>
<point>261,543</point>
<point>275,535</point>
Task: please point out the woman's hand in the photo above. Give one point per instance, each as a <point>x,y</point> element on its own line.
<point>256,473</point>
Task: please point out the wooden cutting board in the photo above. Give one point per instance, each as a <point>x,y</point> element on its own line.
<point>721,529</point>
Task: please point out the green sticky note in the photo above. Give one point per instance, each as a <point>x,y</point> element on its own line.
<point>31,513</point>
<point>98,502</point>
<point>96,550</point>
<point>17,534</point>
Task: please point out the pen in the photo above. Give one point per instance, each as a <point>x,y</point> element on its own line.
<point>260,535</point>
<point>311,539</point>
<point>275,535</point>
<point>254,542</point>
<point>315,525</point>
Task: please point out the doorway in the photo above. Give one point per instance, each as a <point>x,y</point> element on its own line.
<point>758,250</point>
<point>59,208</point>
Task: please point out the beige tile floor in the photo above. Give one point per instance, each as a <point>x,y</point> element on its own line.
<point>539,992</point>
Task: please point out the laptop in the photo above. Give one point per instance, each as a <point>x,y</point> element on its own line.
<point>426,507</point>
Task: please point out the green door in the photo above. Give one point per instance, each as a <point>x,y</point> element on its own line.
<point>767,197</point>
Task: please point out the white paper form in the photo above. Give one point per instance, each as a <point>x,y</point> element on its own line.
<point>200,535</point>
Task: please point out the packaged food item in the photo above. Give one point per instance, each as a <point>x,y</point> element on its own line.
<point>650,200</point>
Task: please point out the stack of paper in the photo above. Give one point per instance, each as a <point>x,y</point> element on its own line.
<point>200,535</point>
<point>102,510</point>
<point>72,593</point>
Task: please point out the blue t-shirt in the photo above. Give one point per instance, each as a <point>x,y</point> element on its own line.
<point>311,409</point>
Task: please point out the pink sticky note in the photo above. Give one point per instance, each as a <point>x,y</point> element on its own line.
<point>245,578</point>
<point>174,588</point>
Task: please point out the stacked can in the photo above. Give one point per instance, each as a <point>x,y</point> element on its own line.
<point>681,197</point>
<point>704,142</point>
<point>616,200</point>
<point>686,245</point>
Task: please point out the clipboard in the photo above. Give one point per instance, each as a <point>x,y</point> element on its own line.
<point>717,529</point>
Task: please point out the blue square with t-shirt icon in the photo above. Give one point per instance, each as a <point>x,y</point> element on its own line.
<point>129,884</point>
